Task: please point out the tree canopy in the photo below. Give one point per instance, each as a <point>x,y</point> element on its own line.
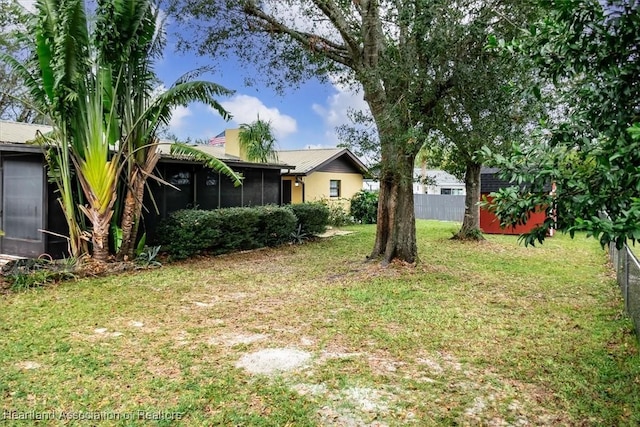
<point>15,103</point>
<point>589,49</point>
<point>399,54</point>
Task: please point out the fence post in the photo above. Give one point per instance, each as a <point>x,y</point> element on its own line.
<point>628,256</point>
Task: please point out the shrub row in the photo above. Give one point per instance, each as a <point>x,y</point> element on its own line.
<point>191,231</point>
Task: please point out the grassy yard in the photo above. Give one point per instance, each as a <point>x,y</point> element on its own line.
<point>476,334</point>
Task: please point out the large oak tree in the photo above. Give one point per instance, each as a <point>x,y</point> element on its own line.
<point>397,52</point>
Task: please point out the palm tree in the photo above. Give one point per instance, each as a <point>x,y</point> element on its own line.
<point>97,163</point>
<point>130,37</point>
<point>258,142</point>
<point>97,92</point>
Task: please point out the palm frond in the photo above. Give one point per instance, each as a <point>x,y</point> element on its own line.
<point>192,153</point>
<point>160,111</point>
<point>258,142</point>
<point>39,97</point>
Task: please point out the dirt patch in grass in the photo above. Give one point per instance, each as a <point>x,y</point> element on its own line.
<point>274,360</point>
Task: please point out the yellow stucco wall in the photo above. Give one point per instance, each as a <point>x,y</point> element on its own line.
<point>317,185</point>
<point>296,192</point>
<point>232,143</point>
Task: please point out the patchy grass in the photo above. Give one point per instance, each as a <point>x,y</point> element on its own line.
<point>487,333</point>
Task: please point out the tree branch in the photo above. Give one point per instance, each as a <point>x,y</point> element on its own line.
<point>331,11</point>
<point>313,42</point>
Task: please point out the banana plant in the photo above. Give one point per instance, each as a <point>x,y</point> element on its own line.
<point>97,159</point>
<point>130,36</point>
<point>58,38</point>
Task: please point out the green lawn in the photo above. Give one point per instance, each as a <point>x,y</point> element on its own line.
<point>476,334</point>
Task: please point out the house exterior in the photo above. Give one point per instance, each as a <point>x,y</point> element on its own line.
<point>333,174</point>
<point>491,182</point>
<point>33,221</point>
<point>194,185</point>
<point>28,202</point>
<point>437,182</point>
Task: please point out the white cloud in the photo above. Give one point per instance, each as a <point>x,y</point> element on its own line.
<point>246,109</point>
<point>335,111</point>
<point>179,119</point>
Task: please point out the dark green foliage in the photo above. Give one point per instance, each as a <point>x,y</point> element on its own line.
<point>313,217</point>
<point>276,225</point>
<point>589,50</point>
<point>188,232</point>
<point>238,231</point>
<point>364,207</point>
<point>191,231</point>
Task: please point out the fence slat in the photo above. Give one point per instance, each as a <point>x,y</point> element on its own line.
<point>628,277</point>
<point>440,207</point>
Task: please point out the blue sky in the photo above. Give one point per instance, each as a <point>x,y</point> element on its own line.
<point>301,118</point>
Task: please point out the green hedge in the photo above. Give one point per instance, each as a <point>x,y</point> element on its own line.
<point>313,217</point>
<point>191,231</point>
<point>364,207</point>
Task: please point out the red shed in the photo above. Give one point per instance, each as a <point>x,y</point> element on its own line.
<point>489,223</point>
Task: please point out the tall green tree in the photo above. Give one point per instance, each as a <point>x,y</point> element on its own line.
<point>396,52</point>
<point>130,37</point>
<point>73,90</point>
<point>258,142</point>
<point>14,96</point>
<point>55,74</point>
<point>589,50</point>
<point>96,88</point>
<point>482,109</point>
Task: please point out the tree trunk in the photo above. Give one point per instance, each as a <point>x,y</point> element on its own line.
<point>100,231</point>
<point>132,211</point>
<point>128,216</point>
<point>137,215</point>
<point>396,227</point>
<point>470,229</point>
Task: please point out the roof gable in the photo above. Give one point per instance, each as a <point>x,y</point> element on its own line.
<point>491,181</point>
<point>323,160</point>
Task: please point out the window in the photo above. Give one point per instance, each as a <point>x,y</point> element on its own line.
<point>180,178</point>
<point>334,188</point>
<point>451,191</point>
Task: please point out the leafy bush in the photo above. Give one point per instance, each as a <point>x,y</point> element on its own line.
<point>276,225</point>
<point>191,231</point>
<point>338,215</point>
<point>239,228</point>
<point>24,274</point>
<point>364,207</point>
<point>313,217</point>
